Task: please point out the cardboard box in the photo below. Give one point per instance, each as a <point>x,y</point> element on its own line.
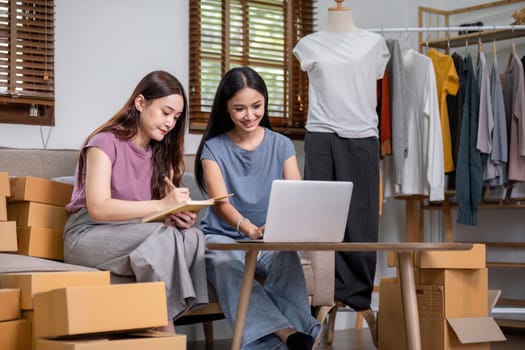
<point>33,214</point>
<point>446,259</point>
<point>35,189</point>
<point>9,304</point>
<point>8,240</point>
<point>132,341</point>
<point>438,332</point>
<point>96,309</point>
<point>3,208</point>
<point>465,292</point>
<point>15,335</point>
<point>41,242</point>
<point>31,283</point>
<point>5,189</point>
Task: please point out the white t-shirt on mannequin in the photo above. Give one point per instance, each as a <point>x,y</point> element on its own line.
<point>343,68</point>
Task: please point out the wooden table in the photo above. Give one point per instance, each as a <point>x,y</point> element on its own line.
<point>406,275</point>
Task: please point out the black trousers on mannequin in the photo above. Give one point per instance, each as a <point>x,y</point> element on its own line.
<point>330,157</point>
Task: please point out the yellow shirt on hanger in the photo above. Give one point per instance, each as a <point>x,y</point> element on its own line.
<point>447,81</point>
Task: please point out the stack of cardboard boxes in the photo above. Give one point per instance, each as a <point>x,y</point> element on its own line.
<point>453,303</point>
<point>14,332</point>
<point>37,207</point>
<point>68,310</point>
<point>81,310</point>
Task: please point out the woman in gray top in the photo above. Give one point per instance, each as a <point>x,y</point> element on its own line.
<point>239,153</point>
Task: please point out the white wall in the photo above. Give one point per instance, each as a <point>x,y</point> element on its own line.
<point>103,47</point>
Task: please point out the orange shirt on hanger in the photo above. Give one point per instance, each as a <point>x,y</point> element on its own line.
<point>447,81</point>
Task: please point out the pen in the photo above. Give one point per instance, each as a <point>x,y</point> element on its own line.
<point>219,198</point>
<point>168,181</point>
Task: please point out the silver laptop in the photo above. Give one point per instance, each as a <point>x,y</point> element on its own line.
<point>307,211</point>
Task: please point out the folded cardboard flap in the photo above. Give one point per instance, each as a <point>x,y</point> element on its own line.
<point>493,297</point>
<point>476,329</point>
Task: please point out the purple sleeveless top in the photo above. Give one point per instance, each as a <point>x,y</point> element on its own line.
<point>131,170</point>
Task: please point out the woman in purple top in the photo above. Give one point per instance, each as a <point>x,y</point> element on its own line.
<point>129,168</point>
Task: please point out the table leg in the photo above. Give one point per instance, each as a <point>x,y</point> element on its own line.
<point>409,300</point>
<point>244,298</point>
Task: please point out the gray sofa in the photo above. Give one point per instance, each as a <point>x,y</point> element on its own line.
<point>318,266</point>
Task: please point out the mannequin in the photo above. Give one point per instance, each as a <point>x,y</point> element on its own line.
<point>340,19</point>
<point>342,139</point>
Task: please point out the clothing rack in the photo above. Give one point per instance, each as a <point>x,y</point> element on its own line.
<point>474,34</point>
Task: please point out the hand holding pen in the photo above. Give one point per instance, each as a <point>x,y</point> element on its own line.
<point>180,194</point>
<point>183,219</point>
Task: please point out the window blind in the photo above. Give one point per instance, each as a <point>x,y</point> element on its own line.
<point>27,61</point>
<point>260,34</point>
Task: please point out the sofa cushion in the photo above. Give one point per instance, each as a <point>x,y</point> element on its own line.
<point>38,162</point>
<point>14,263</point>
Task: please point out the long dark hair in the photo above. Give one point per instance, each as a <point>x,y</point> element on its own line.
<point>220,121</point>
<point>167,154</point>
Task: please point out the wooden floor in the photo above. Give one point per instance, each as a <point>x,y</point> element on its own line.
<point>360,340</point>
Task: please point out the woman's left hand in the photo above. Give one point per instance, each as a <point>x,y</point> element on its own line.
<point>183,219</point>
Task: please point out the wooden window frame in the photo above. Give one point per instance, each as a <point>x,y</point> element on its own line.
<point>27,91</point>
<point>298,22</point>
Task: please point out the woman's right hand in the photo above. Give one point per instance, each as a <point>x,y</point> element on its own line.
<point>176,195</point>
<point>255,232</point>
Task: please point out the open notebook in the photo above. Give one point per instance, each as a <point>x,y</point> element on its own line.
<point>307,211</point>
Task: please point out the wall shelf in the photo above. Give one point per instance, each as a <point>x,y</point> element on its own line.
<point>431,17</point>
<point>473,38</point>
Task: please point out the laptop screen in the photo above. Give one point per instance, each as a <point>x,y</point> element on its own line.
<point>307,211</point>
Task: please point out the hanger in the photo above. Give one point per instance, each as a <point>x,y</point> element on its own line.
<point>513,49</point>
<point>448,41</point>
<point>513,43</point>
<point>494,50</point>
<point>426,41</point>
<point>480,47</point>
<point>480,44</point>
<point>405,46</point>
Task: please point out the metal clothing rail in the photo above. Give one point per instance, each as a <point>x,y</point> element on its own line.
<point>446,29</point>
<point>471,34</point>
